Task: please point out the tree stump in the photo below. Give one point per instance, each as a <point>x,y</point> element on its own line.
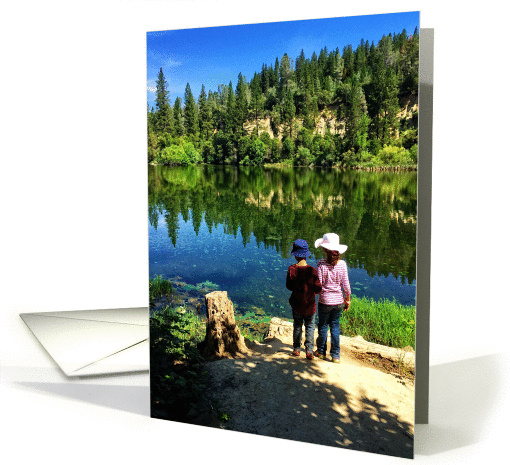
<point>222,337</point>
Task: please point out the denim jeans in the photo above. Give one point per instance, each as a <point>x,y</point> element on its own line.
<point>309,322</point>
<point>329,316</point>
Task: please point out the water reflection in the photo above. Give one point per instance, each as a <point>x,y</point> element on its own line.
<point>237,225</point>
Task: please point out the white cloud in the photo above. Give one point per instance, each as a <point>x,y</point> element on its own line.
<point>170,63</point>
<point>156,60</point>
<point>151,85</point>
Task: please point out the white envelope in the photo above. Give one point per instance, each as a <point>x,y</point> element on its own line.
<point>94,342</point>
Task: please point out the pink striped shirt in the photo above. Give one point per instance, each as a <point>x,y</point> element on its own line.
<point>334,279</point>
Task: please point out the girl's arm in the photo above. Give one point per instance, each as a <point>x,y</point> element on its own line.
<point>320,273</point>
<point>346,288</point>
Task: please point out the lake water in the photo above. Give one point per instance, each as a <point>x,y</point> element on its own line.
<point>234,227</point>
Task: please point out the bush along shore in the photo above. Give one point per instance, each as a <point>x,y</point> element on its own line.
<point>177,325</point>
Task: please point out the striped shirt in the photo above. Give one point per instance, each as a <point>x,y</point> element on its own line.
<point>334,279</point>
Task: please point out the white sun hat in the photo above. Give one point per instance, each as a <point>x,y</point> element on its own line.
<point>331,241</point>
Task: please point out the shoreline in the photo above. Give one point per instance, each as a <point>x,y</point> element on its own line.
<point>254,322</point>
<point>395,168</point>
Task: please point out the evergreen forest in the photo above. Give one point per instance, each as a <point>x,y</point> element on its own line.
<point>353,108</point>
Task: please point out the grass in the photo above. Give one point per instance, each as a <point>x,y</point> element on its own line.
<point>159,287</point>
<point>381,321</point>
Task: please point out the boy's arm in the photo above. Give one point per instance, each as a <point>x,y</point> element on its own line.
<point>290,282</point>
<point>317,287</point>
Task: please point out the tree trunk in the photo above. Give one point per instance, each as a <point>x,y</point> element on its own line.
<point>223,337</point>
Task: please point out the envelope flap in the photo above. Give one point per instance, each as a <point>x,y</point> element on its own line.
<point>75,343</point>
<point>133,359</point>
<point>135,316</point>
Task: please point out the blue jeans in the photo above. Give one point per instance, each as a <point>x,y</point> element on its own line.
<point>329,316</point>
<point>309,322</point>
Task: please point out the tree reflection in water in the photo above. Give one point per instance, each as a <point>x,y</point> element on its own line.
<point>373,212</point>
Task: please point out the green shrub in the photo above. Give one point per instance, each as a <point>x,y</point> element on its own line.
<point>409,138</point>
<point>192,153</point>
<point>304,157</point>
<point>265,137</point>
<point>374,146</point>
<point>275,150</point>
<point>177,376</point>
<point>367,157</point>
<point>257,151</point>
<point>350,157</point>
<point>164,140</point>
<point>287,148</point>
<point>208,154</point>
<point>174,155</point>
<point>390,155</point>
<point>413,152</point>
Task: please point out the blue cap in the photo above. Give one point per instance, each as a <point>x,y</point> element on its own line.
<point>300,249</point>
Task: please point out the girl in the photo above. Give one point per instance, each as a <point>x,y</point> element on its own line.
<point>334,296</point>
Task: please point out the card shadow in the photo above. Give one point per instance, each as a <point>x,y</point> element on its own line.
<point>132,399</point>
<point>463,395</point>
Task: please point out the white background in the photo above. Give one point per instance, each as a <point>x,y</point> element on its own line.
<point>73,103</point>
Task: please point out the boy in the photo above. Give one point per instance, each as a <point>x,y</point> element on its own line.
<point>303,281</point>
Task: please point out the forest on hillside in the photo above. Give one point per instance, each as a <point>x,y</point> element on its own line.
<point>337,108</point>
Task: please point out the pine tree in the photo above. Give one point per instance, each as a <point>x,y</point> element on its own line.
<point>204,114</point>
<point>348,58</point>
<point>163,119</point>
<point>288,110</point>
<point>356,109</point>
<point>301,70</point>
<point>178,118</point>
<point>360,61</point>
<point>230,114</point>
<point>276,73</point>
<point>190,112</point>
<point>286,72</point>
<point>389,107</point>
<point>314,75</point>
<point>265,79</point>
<point>256,98</point>
<point>383,105</point>
<point>241,104</point>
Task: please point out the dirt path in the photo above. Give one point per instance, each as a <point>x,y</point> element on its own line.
<point>354,404</point>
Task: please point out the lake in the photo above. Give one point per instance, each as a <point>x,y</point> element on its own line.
<point>234,227</point>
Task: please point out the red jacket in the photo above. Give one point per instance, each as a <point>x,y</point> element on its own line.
<point>304,283</point>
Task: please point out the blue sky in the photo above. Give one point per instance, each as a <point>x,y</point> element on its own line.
<point>216,55</point>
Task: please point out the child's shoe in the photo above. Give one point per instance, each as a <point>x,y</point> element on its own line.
<point>316,354</point>
<point>335,360</point>
<point>309,355</point>
<point>296,352</point>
